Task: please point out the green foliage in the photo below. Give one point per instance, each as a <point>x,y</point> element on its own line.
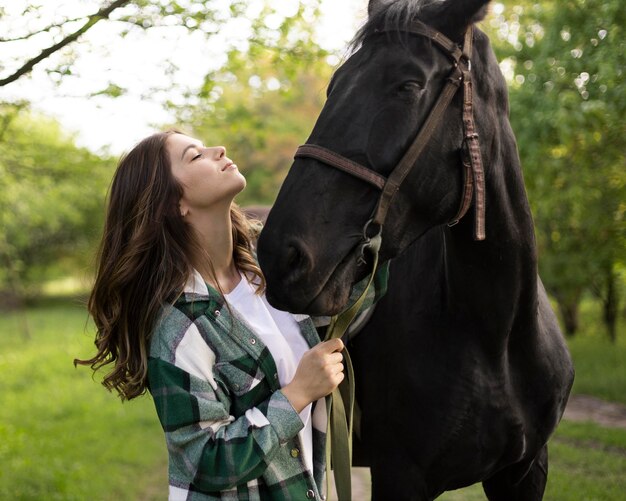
<point>565,62</point>
<point>599,363</point>
<point>263,102</point>
<point>51,199</point>
<point>40,34</point>
<point>203,15</point>
<point>62,435</point>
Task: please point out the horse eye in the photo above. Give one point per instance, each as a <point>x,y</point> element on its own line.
<point>410,86</point>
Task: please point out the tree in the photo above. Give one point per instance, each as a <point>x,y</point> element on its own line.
<point>51,200</point>
<point>565,62</point>
<point>39,32</point>
<point>263,102</point>
<point>65,39</point>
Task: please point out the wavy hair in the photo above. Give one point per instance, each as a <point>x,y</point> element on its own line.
<point>144,262</point>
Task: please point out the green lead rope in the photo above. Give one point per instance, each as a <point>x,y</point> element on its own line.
<point>340,420</point>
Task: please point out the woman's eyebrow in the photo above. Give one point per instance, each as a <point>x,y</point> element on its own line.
<point>189,147</point>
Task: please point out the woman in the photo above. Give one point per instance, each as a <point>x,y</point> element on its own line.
<point>179,308</point>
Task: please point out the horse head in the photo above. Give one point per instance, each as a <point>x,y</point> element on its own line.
<point>377,102</point>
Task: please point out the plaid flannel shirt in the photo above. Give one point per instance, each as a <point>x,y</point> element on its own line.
<point>231,433</point>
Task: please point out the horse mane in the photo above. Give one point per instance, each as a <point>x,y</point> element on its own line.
<point>395,15</point>
<point>398,15</point>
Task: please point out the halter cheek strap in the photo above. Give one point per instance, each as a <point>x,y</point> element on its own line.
<point>474,184</point>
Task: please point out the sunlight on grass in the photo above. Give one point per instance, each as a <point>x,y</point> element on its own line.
<point>67,285</point>
<point>62,435</point>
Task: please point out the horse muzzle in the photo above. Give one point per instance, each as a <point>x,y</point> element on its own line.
<point>299,284</point>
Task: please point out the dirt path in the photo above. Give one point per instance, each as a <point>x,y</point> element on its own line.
<point>587,408</point>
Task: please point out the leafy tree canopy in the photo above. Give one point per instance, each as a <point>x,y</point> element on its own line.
<point>565,61</point>
<point>263,102</point>
<point>51,199</point>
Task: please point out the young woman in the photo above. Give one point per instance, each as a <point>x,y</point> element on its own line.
<point>179,308</point>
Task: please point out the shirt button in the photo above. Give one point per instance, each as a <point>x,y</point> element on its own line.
<point>217,313</point>
<point>295,452</point>
<point>252,341</point>
<point>310,494</point>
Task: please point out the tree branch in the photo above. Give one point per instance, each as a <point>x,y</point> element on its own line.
<point>103,13</point>
<point>38,32</point>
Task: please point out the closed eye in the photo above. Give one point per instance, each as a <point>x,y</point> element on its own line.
<point>196,157</point>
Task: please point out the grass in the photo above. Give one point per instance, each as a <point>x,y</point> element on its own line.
<point>586,463</point>
<point>62,435</point>
<point>600,365</point>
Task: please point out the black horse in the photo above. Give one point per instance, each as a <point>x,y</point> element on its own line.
<point>462,373</point>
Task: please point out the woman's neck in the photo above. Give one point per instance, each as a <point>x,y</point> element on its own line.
<point>214,232</point>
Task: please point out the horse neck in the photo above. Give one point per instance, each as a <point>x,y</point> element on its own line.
<point>495,280</point>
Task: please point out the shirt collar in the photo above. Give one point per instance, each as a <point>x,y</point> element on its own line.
<point>196,284</point>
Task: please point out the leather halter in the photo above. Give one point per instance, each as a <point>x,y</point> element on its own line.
<point>474,185</point>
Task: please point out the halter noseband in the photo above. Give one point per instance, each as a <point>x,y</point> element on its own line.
<point>474,185</point>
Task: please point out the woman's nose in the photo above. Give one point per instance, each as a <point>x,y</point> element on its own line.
<point>218,152</point>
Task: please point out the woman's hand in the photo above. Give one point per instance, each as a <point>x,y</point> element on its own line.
<point>320,371</point>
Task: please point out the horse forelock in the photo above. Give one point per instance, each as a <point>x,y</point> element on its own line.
<point>399,14</point>
<point>394,15</point>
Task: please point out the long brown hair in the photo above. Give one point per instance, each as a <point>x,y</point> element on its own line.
<point>144,262</point>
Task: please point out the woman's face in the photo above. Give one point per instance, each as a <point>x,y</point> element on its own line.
<point>207,175</point>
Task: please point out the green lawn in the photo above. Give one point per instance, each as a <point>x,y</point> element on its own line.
<point>586,463</point>
<point>600,365</point>
<point>64,437</point>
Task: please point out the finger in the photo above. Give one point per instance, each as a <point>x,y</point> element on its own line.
<point>334,358</point>
<point>333,345</point>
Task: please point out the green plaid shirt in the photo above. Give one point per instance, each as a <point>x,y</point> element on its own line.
<point>230,431</point>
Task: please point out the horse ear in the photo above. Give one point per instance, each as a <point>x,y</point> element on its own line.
<point>375,5</point>
<point>453,17</point>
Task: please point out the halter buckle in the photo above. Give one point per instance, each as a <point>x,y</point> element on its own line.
<point>372,243</point>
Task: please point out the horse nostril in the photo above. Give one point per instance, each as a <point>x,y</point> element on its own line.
<point>293,256</point>
<point>297,261</point>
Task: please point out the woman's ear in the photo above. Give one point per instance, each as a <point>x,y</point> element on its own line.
<point>182,209</point>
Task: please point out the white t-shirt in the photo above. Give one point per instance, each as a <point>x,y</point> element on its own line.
<point>279,331</point>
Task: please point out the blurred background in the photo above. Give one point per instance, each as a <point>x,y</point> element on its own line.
<point>81,81</point>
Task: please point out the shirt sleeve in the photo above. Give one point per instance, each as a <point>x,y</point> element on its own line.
<point>206,444</point>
